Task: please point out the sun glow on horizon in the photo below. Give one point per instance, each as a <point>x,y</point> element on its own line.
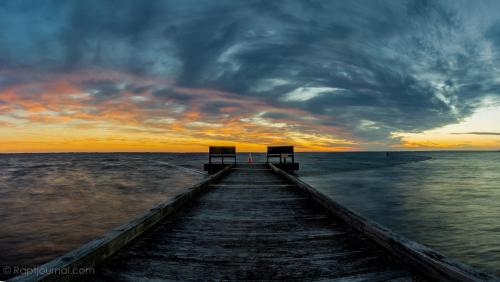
<point>66,118</point>
<point>481,131</point>
<point>165,76</point>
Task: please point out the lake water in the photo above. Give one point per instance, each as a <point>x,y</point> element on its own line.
<point>450,202</point>
<point>52,203</point>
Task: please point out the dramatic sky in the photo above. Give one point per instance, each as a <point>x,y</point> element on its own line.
<point>115,75</point>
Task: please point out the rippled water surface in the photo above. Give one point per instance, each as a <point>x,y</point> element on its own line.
<point>52,203</point>
<point>450,202</point>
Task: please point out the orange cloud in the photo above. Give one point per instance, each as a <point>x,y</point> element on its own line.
<point>59,114</point>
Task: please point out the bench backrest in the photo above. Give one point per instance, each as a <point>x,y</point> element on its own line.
<point>222,150</point>
<point>277,150</point>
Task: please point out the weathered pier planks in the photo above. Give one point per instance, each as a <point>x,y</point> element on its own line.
<point>252,225</point>
<point>256,222</point>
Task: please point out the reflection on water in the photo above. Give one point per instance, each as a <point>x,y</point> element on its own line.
<point>52,203</point>
<point>450,203</point>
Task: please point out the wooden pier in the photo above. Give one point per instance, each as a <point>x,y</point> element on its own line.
<point>252,225</point>
<point>255,222</point>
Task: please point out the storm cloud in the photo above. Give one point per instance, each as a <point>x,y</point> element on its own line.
<point>360,70</point>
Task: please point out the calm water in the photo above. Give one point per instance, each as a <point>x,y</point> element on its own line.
<point>450,203</point>
<point>52,203</point>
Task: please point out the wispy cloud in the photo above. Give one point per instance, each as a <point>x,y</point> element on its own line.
<point>332,74</point>
<point>477,133</point>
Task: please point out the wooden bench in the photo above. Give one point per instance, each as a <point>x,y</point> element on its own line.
<point>219,152</point>
<point>283,153</point>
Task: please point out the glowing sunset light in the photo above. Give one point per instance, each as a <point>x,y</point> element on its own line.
<point>308,75</point>
<point>481,131</point>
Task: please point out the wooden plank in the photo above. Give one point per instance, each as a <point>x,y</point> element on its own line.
<point>214,167</point>
<point>217,239</point>
<point>222,150</point>
<point>252,169</point>
<point>92,253</point>
<point>287,166</point>
<point>277,150</point>
<point>264,231</point>
<point>251,186</point>
<point>423,258</point>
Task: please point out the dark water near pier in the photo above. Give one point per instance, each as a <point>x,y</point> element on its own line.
<point>450,202</point>
<point>52,203</point>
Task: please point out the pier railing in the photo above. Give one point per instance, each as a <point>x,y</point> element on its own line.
<point>413,254</point>
<point>422,258</point>
<point>94,252</point>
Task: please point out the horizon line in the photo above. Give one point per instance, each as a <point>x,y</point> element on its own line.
<point>206,152</point>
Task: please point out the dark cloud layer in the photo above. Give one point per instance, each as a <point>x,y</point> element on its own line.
<point>370,67</point>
